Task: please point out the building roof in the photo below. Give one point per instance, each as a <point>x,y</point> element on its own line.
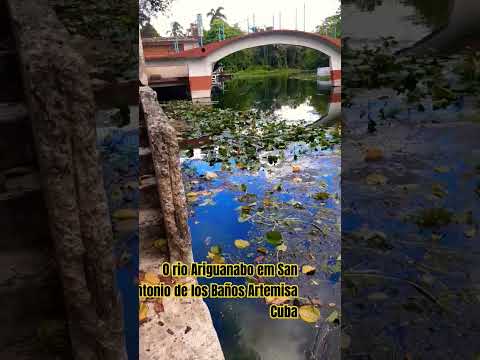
<point>167,40</point>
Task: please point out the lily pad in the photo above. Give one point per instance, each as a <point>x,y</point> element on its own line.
<point>274,237</point>
<point>333,317</point>
<point>321,196</point>
<point>243,217</point>
<point>217,250</point>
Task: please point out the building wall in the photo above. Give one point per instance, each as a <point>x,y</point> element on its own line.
<point>167,71</point>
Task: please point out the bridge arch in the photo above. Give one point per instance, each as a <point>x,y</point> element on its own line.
<point>197,63</point>
<point>200,68</point>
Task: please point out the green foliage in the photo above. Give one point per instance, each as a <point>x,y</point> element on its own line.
<point>176,30</point>
<point>244,135</point>
<point>216,14</point>
<point>148,31</point>
<point>331,26</point>
<point>148,8</point>
<point>216,26</point>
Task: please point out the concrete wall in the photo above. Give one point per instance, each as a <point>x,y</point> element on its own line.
<point>171,71</point>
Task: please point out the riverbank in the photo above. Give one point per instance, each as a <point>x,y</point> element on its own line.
<point>299,74</point>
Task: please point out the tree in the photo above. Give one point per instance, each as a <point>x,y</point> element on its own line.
<point>216,14</point>
<point>147,8</point>
<point>331,26</point>
<point>177,30</point>
<point>215,26</point>
<point>148,31</point>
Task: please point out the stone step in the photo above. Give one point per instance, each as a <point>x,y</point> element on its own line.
<point>16,139</point>
<point>146,163</point>
<point>150,225</point>
<point>23,215</point>
<point>10,76</point>
<point>31,298</point>
<point>148,192</point>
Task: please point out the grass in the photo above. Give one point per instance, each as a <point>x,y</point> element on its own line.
<point>292,73</point>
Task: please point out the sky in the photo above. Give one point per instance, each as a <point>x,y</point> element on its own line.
<point>237,11</point>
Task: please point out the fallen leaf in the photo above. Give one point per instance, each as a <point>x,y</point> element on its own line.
<point>296,168</point>
<point>124,214</point>
<point>439,191</point>
<point>309,313</point>
<point>151,278</point>
<point>374,154</point>
<point>262,250</point>
<point>282,247</point>
<point>158,306</point>
<point>210,175</point>
<point>217,250</point>
<point>308,269</point>
<point>244,217</point>
<point>241,244</point>
<point>333,317</point>
<point>442,169</point>
<point>276,300</point>
<point>376,179</point>
<point>192,196</point>
<point>470,233</point>
<point>143,312</point>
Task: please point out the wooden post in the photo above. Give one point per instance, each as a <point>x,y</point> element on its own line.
<point>61,105</point>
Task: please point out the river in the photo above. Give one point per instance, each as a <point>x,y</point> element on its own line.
<point>410,217</point>
<point>246,204</point>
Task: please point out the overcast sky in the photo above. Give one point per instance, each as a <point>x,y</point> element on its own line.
<point>237,11</point>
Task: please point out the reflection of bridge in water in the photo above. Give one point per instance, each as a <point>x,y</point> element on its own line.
<point>195,66</point>
<point>334,106</point>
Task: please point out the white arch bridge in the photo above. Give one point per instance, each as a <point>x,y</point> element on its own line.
<point>197,64</point>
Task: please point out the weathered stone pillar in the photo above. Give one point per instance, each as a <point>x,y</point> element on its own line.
<point>61,104</point>
<point>166,160</point>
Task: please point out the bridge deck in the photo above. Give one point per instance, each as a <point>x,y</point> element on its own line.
<point>201,52</point>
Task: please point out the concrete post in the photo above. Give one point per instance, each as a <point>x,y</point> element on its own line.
<point>200,80</point>
<point>336,70</point>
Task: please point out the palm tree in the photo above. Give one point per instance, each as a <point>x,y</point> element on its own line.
<point>177,29</point>
<point>216,14</point>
